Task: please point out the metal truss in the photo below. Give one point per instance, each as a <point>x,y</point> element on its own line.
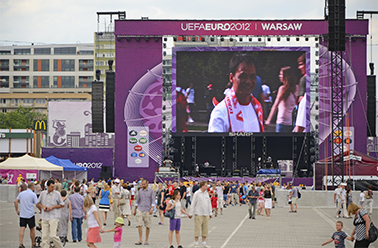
<point>253,155</point>
<point>337,115</point>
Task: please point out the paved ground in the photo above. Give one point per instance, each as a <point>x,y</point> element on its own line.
<point>308,228</point>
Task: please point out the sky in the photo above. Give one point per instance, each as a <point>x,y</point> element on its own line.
<point>74,21</point>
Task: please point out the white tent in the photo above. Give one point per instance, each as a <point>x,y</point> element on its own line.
<point>27,162</point>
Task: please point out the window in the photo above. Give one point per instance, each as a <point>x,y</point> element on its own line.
<point>42,51</point>
<point>41,64</point>
<point>41,81</point>
<point>15,101</point>
<point>86,65</point>
<point>86,52</point>
<point>4,64</point>
<point>5,52</point>
<point>64,82</point>
<point>22,51</point>
<point>4,81</point>
<point>21,81</point>
<point>85,82</point>
<point>21,65</point>
<point>64,65</point>
<point>40,100</point>
<point>28,100</point>
<point>65,50</point>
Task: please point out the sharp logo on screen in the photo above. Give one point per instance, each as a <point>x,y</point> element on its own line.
<point>90,165</point>
<point>281,26</point>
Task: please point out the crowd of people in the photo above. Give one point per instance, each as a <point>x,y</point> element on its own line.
<point>74,201</point>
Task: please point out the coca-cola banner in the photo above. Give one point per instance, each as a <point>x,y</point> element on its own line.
<point>91,158</point>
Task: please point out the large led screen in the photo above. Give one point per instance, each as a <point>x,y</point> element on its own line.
<point>240,89</point>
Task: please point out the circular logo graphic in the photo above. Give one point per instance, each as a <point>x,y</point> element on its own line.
<point>143,140</point>
<point>134,155</point>
<point>348,133</point>
<point>138,161</point>
<point>133,133</point>
<point>138,148</point>
<point>142,132</point>
<point>133,140</point>
<point>142,154</point>
<point>348,141</point>
<point>337,133</point>
<point>338,141</point>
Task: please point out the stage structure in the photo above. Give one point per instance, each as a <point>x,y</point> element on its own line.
<point>164,60</point>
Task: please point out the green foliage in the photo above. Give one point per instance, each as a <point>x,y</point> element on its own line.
<point>21,118</point>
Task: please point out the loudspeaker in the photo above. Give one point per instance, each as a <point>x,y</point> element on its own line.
<point>371,107</point>
<point>97,107</point>
<point>105,175</point>
<point>105,169</point>
<point>336,25</point>
<point>110,88</point>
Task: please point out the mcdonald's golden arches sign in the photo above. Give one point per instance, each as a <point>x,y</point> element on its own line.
<point>39,125</point>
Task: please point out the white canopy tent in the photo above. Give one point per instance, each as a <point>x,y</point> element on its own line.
<point>27,162</point>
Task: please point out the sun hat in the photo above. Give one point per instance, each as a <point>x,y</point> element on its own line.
<point>119,220</point>
<point>117,181</point>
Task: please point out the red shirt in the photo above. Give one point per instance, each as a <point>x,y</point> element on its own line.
<point>214,201</point>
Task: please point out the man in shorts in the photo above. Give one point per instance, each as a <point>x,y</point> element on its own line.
<point>294,198</point>
<point>145,203</point>
<point>27,199</point>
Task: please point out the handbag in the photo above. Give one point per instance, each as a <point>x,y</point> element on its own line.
<point>171,213</point>
<point>373,230</point>
<point>122,201</point>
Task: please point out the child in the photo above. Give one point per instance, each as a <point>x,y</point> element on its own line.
<point>64,216</point>
<point>94,223</point>
<point>175,223</point>
<point>214,203</point>
<point>338,236</point>
<point>117,232</point>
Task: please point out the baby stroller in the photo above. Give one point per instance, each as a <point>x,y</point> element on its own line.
<point>38,239</point>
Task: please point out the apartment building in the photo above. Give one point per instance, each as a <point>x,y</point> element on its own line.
<point>104,43</point>
<point>32,75</point>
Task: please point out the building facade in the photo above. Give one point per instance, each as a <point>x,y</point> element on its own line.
<point>104,43</point>
<point>32,75</point>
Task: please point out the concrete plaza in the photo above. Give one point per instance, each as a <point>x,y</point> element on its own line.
<point>307,228</point>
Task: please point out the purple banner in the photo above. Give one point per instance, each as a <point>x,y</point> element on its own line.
<point>233,27</point>
<point>13,174</point>
<point>91,158</point>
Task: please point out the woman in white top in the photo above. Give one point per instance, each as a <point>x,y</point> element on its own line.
<point>125,208</point>
<point>94,223</point>
<point>285,102</point>
<point>175,223</point>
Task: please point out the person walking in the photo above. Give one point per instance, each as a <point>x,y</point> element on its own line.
<point>116,192</point>
<point>144,204</point>
<point>201,210</point>
<point>27,199</point>
<point>94,223</point>
<point>125,209</point>
<point>268,200</point>
<point>219,189</point>
<point>77,206</point>
<point>252,198</point>
<point>175,222</point>
<point>160,200</point>
<point>369,199</point>
<point>104,204</point>
<point>65,214</point>
<point>92,192</point>
<point>294,198</point>
<point>49,202</point>
<point>341,196</point>
<point>361,225</point>
<point>234,191</point>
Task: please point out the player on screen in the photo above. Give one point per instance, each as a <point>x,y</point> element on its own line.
<point>239,111</point>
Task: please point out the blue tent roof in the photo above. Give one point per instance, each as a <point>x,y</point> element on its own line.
<point>65,163</point>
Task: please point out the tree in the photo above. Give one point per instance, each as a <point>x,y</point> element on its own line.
<point>21,118</point>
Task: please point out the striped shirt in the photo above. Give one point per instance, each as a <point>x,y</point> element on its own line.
<point>50,199</point>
